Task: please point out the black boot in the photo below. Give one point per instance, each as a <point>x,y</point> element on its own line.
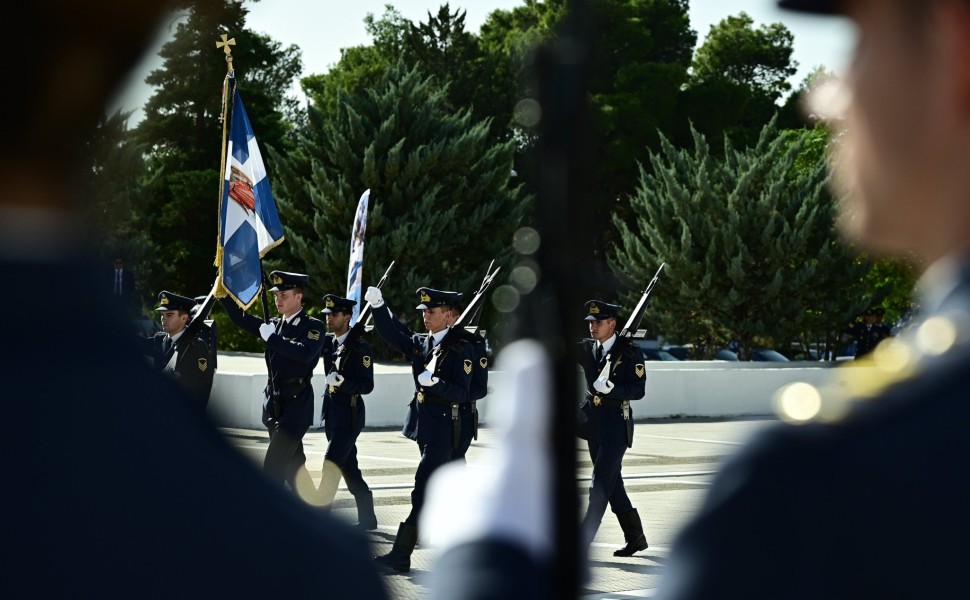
<point>366,519</point>
<point>632,533</point>
<point>399,558</point>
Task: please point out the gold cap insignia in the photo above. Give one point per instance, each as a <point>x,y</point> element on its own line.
<point>276,279</point>
<point>329,302</point>
<point>203,364</point>
<point>483,362</point>
<point>593,309</point>
<point>597,401</point>
<point>366,362</point>
<point>163,299</point>
<point>468,367</point>
<point>421,397</point>
<point>313,334</point>
<point>641,371</point>
<point>425,297</point>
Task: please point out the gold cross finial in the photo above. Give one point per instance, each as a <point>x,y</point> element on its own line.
<point>225,43</point>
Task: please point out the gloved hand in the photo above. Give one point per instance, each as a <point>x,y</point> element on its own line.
<point>334,379</point>
<point>427,379</point>
<point>374,296</point>
<point>603,386</point>
<point>266,330</point>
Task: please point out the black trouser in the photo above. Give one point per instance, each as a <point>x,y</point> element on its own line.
<point>284,456</point>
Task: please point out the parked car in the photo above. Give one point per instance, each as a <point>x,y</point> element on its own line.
<point>758,354</point>
<point>657,354</point>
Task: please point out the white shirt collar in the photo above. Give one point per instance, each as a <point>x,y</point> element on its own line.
<point>608,344</point>
<point>340,339</point>
<point>176,336</point>
<point>439,336</point>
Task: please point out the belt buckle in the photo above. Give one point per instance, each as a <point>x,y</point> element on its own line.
<point>597,400</point>
<point>333,390</point>
<point>421,397</point>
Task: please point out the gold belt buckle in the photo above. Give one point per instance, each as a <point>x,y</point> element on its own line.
<point>597,401</point>
<point>421,397</point>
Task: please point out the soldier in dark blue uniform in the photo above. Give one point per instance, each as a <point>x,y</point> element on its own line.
<point>869,332</point>
<point>350,375</point>
<point>189,363</point>
<point>293,344</point>
<point>441,394</point>
<point>608,421</point>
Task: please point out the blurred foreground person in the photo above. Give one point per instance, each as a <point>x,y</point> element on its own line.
<point>863,497</point>
<point>121,488</point>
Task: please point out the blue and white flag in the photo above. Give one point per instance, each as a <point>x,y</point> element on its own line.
<point>354,271</point>
<point>249,225</point>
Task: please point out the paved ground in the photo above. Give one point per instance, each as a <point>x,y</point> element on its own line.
<point>666,473</point>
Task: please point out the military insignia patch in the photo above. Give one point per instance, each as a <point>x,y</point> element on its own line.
<point>483,362</point>
<point>163,299</point>
<point>313,334</point>
<point>329,303</point>
<point>468,367</point>
<point>641,371</point>
<point>425,297</point>
<point>366,362</point>
<point>203,364</point>
<point>277,280</point>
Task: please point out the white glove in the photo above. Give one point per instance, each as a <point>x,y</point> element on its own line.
<point>374,296</point>
<point>266,330</point>
<point>603,386</point>
<point>427,379</point>
<point>334,379</point>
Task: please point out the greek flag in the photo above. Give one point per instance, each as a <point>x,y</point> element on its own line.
<point>354,271</point>
<point>249,225</point>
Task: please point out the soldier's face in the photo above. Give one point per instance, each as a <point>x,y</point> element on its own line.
<point>602,330</point>
<point>173,321</point>
<point>902,156</point>
<point>338,323</point>
<point>288,302</point>
<point>435,319</point>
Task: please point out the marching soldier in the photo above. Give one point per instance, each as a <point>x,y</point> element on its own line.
<point>186,360</point>
<point>350,375</point>
<point>869,332</point>
<point>608,426</point>
<point>441,394</point>
<point>293,344</point>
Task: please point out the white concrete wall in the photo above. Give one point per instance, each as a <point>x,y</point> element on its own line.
<point>684,389</point>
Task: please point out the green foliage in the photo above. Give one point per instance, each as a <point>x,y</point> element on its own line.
<point>752,252</point>
<point>737,77</point>
<point>441,202</point>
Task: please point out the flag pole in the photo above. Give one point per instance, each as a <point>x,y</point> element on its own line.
<point>228,89</point>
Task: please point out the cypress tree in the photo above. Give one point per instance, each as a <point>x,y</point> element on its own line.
<point>752,251</point>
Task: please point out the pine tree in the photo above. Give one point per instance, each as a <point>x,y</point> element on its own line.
<point>752,252</point>
<point>441,201</point>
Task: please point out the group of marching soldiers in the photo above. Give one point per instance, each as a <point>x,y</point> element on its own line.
<point>449,364</point>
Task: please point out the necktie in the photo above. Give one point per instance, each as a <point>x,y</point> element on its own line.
<point>598,352</point>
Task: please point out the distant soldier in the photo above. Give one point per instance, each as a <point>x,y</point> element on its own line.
<point>186,360</point>
<point>440,395</point>
<point>869,332</point>
<point>608,426</point>
<point>348,362</point>
<point>293,344</point>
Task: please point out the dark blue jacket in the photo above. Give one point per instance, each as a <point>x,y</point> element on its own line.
<point>290,360</point>
<point>629,378</point>
<point>454,372</point>
<point>358,374</point>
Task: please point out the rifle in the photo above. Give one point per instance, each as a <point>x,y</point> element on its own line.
<point>471,312</point>
<point>632,323</point>
<point>472,328</point>
<point>360,326</point>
